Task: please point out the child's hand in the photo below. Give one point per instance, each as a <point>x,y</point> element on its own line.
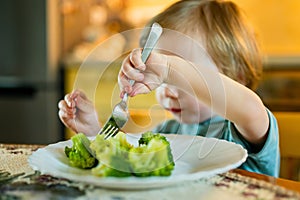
<point>147,76</point>
<point>78,113</point>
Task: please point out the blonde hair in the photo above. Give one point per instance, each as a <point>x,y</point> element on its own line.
<point>228,38</point>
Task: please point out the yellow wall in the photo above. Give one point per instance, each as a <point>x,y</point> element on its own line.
<point>277,23</point>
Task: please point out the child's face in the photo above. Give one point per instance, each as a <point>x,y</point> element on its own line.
<point>184,107</point>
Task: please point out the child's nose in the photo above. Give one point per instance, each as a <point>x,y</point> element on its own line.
<point>171,92</point>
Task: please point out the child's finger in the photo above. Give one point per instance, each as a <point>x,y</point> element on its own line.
<point>136,59</point>
<point>66,120</point>
<point>130,72</point>
<point>77,93</point>
<point>124,83</point>
<point>139,88</point>
<point>83,104</point>
<point>69,99</point>
<point>82,95</point>
<point>67,111</point>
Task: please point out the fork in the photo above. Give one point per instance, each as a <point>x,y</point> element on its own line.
<point>120,112</point>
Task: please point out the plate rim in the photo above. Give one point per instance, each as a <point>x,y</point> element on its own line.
<point>148,182</point>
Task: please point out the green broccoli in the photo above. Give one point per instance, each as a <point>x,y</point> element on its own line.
<point>113,156</point>
<point>120,158</point>
<point>152,157</point>
<point>117,157</point>
<point>78,155</point>
<point>105,170</point>
<point>146,137</point>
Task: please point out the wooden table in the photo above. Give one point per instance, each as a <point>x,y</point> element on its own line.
<point>289,184</point>
<point>19,180</point>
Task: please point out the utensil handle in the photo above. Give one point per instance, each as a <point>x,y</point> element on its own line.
<point>155,33</point>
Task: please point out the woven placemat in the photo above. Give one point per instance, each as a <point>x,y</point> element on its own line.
<point>14,158</point>
<point>19,180</point>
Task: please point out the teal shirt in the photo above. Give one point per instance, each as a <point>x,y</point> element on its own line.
<point>265,160</point>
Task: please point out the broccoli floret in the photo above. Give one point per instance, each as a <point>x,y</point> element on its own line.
<point>105,170</point>
<point>146,137</point>
<point>153,157</point>
<point>78,155</point>
<point>117,157</point>
<point>113,156</point>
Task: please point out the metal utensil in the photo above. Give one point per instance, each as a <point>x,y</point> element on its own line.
<point>120,112</point>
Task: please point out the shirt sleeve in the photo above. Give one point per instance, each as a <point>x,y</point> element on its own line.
<point>267,159</point>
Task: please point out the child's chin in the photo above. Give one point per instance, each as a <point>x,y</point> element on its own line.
<point>185,120</point>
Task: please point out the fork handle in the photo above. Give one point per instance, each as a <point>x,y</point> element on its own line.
<point>155,33</point>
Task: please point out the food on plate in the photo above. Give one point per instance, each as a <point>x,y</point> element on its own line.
<point>112,155</point>
<point>153,156</point>
<point>78,155</point>
<point>119,158</point>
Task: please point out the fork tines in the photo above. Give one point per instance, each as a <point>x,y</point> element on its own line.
<point>110,129</point>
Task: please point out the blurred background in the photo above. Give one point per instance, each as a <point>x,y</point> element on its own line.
<point>44,44</point>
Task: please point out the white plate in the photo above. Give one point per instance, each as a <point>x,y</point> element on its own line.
<point>195,157</point>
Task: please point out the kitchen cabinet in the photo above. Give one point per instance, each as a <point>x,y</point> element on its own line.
<point>29,78</point>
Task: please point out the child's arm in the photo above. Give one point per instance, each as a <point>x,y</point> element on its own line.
<point>225,96</point>
<point>78,113</point>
